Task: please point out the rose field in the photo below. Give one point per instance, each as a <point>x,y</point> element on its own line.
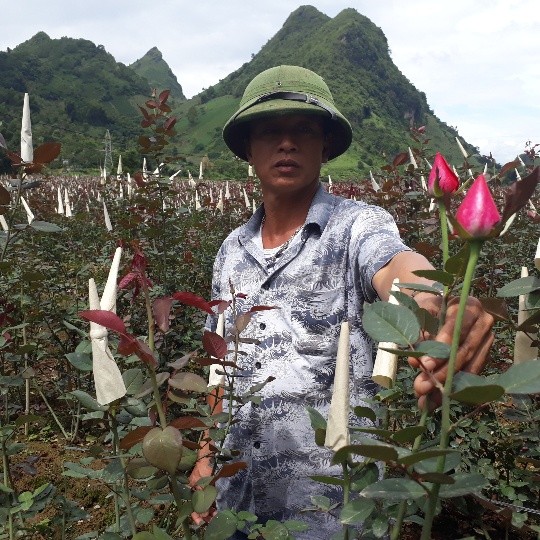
<point>104,360</point>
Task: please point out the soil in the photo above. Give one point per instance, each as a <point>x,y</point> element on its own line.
<point>42,461</point>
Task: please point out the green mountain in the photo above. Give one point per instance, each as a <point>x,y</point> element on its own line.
<point>77,91</point>
<point>352,55</point>
<point>158,73</point>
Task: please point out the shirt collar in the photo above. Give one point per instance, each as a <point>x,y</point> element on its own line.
<point>319,213</point>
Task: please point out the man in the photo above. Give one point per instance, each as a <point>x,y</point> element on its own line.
<point>317,258</point>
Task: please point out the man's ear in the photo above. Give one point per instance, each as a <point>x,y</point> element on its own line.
<point>326,146</point>
<point>247,148</point>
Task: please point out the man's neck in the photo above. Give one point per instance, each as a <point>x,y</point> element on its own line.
<point>284,214</point>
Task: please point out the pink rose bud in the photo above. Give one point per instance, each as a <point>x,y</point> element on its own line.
<point>477,213</point>
<point>442,179</point>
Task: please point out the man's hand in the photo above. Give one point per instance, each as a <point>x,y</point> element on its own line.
<point>475,341</point>
<point>202,469</point>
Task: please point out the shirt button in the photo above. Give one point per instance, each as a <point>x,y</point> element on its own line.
<point>258,365</point>
<point>257,444</point>
<point>262,326</point>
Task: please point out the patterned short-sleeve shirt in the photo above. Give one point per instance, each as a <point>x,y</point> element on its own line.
<point>321,279</point>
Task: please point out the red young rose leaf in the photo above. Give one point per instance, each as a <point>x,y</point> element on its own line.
<point>187,422</point>
<point>519,193</point>
<point>139,179</point>
<point>222,305</point>
<point>212,361</point>
<point>214,344</point>
<point>262,308</point>
<point>127,345</point>
<point>169,123</point>
<point>242,321</point>
<point>47,152</point>
<point>164,96</point>
<point>143,351</point>
<point>144,112</point>
<point>134,437</point>
<point>162,309</point>
<point>229,469</point>
<point>400,159</point>
<point>15,158</point>
<point>511,165</point>
<point>193,300</point>
<point>105,318</point>
<point>5,197</point>
<point>127,280</point>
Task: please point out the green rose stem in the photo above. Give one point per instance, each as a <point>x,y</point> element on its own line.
<point>159,406</point>
<point>403,505</point>
<point>125,487</point>
<point>445,250</point>
<point>444,229</point>
<point>151,346</point>
<point>7,483</point>
<point>475,247</point>
<point>346,494</point>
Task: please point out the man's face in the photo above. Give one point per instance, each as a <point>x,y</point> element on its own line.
<point>287,152</point>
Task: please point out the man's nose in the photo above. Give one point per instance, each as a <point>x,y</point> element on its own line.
<point>287,140</point>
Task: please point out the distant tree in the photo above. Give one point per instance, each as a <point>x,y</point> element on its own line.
<point>192,115</point>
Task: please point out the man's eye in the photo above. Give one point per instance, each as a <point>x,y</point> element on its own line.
<point>306,130</point>
<point>268,132</point>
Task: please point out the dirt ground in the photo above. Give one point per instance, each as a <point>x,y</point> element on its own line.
<point>42,461</point>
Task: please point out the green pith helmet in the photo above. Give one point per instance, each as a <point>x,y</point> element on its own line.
<point>285,90</point>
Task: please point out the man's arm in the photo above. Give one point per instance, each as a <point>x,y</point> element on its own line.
<point>476,335</point>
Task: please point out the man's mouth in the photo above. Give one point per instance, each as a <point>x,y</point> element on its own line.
<point>286,164</point>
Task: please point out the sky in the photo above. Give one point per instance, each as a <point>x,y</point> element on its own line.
<point>476,61</point>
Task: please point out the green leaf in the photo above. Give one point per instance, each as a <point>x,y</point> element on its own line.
<point>45,226</point>
<point>521,378</point>
<point>475,389</point>
<point>423,456</point>
<point>189,382</point>
<point>405,300</point>
<point>429,465</point>
<point>435,349</point>
<point>408,434</point>
<point>80,361</point>
<point>88,401</point>
<point>436,275</point>
<point>380,452</point>
<point>145,535</point>
<point>364,476</point>
<point>464,483</point>
<point>519,286</point>
<point>356,511</point>
<point>433,289</point>
<point>437,478</point>
<point>331,480</point>
<point>457,264</point>
<point>529,325</point>
<point>387,322</point>
<point>222,527</point>
<point>365,412</point>
<point>133,379</point>
<point>394,489</point>
<point>317,419</point>
<point>477,395</point>
<point>203,499</point>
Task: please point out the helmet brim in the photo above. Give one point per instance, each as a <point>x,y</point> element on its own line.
<point>236,130</point>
